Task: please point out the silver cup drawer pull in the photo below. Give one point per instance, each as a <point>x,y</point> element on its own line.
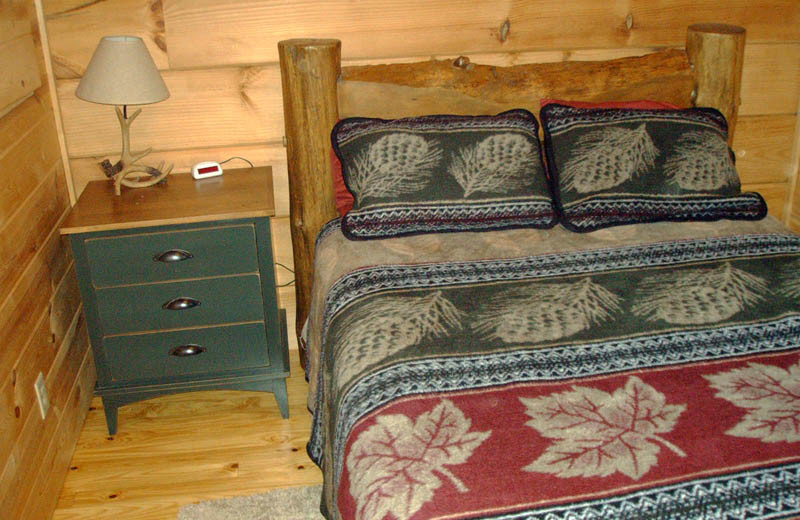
<point>180,303</point>
<point>173,255</point>
<point>190,349</point>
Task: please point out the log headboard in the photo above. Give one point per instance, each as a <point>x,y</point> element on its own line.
<point>318,91</point>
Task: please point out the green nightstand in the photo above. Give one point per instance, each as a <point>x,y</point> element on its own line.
<point>178,287</point>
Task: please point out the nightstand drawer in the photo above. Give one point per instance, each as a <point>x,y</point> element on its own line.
<point>172,305</point>
<point>134,258</point>
<point>186,352</point>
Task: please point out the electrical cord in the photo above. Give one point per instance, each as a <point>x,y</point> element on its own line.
<point>288,269</point>
<point>237,157</point>
<point>291,282</point>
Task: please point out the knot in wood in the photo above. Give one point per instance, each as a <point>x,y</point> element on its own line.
<point>504,29</point>
<point>462,62</point>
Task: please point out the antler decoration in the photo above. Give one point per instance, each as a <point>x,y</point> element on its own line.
<point>127,163</point>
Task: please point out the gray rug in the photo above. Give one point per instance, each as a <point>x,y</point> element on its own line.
<point>297,503</point>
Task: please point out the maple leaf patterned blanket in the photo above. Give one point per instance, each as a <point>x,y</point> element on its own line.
<point>644,379</point>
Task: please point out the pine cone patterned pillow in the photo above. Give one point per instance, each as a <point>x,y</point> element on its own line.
<point>625,166</point>
<point>443,173</point>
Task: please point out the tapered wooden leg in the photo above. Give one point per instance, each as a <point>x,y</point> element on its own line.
<point>279,389</point>
<point>111,408</point>
<point>276,386</point>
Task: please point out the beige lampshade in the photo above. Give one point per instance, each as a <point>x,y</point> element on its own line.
<point>122,72</point>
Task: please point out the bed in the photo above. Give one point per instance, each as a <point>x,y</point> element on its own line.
<point>565,349</point>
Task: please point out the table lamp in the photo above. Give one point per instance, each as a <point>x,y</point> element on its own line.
<point>121,73</point>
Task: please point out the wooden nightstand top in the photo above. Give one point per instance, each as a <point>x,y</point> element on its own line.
<point>242,193</point>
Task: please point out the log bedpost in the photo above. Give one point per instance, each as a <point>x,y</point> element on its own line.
<point>309,71</point>
<point>716,52</point>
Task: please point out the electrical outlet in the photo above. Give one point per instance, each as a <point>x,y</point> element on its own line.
<point>41,395</point>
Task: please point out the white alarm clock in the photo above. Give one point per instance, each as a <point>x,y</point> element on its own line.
<point>205,169</point>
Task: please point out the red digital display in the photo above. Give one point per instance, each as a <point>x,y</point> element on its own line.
<point>208,169</point>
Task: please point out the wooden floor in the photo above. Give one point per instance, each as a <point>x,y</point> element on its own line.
<point>184,448</point>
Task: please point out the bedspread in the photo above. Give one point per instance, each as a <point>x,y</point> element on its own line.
<point>618,377</point>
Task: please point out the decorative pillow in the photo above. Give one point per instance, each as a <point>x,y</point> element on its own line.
<point>622,166</point>
<point>640,104</point>
<point>344,199</point>
<point>442,173</point>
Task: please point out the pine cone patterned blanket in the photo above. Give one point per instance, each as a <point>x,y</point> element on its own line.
<point>621,377</point>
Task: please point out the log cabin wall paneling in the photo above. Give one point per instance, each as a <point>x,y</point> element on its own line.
<point>18,55</point>
<point>219,60</point>
<point>41,326</point>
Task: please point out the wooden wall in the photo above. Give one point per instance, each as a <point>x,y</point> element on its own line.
<point>219,60</point>
<point>21,77</point>
<point>41,327</point>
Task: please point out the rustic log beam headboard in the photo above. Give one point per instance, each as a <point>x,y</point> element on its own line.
<point>317,91</point>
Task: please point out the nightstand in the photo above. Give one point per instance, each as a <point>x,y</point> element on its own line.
<point>178,287</point>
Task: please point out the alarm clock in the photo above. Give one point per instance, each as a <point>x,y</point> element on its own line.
<point>206,169</point>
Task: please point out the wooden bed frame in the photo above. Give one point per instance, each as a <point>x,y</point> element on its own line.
<point>318,91</point>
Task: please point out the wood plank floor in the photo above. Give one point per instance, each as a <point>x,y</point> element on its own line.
<point>184,448</point>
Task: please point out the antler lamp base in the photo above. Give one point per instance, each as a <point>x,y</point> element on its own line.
<point>129,162</point>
